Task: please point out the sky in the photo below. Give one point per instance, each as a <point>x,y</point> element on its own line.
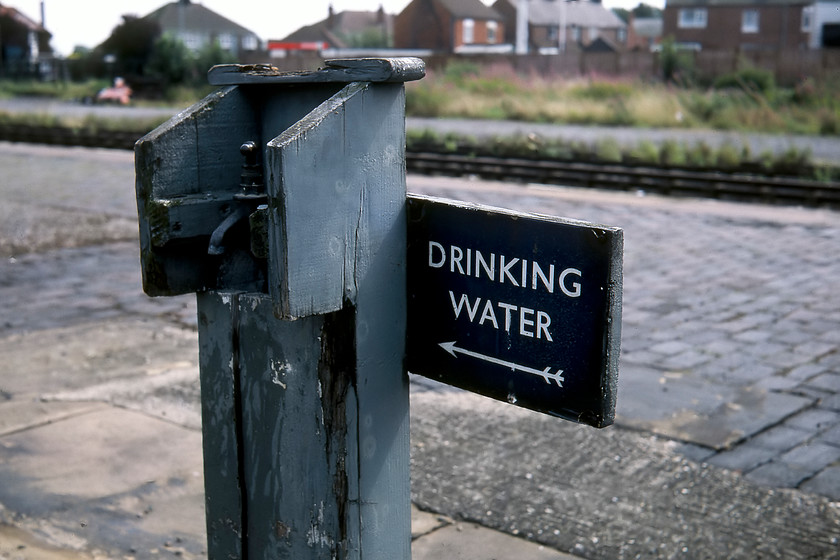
<point>89,22</point>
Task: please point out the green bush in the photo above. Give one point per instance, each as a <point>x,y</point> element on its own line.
<point>700,155</point>
<point>748,79</point>
<point>459,72</point>
<point>672,153</point>
<point>728,157</point>
<point>602,91</point>
<point>644,152</point>
<point>677,65</point>
<point>608,150</point>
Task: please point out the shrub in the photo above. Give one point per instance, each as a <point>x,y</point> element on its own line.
<point>608,150</point>
<point>677,66</point>
<point>602,91</point>
<point>700,155</point>
<point>672,153</point>
<point>748,79</point>
<point>458,72</point>
<point>644,152</point>
<point>728,157</point>
<point>829,121</point>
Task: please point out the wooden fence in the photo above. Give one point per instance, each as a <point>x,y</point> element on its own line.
<point>789,67</point>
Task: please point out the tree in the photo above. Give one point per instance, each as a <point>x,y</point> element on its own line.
<point>210,55</point>
<point>131,43</point>
<point>640,11</point>
<point>170,60</point>
<point>623,14</point>
<point>647,11</point>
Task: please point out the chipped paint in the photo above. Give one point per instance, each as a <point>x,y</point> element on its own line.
<point>278,371</point>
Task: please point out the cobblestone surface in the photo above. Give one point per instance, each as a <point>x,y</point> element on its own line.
<point>731,326</point>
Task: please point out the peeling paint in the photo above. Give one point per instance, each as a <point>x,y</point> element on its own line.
<point>278,371</point>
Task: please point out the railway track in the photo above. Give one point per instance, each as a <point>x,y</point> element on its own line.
<point>672,182</point>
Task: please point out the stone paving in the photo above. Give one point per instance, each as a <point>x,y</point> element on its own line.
<point>731,327</point>
<point>731,319</point>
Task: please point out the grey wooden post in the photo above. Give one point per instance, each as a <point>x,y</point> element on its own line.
<point>304,395</point>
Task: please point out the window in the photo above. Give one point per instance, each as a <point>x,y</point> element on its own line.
<point>468,27</point>
<point>193,41</point>
<point>250,43</point>
<point>227,41</point>
<point>592,33</point>
<point>575,33</point>
<point>552,33</point>
<point>807,19</point>
<point>622,35</point>
<point>492,31</point>
<point>692,18</point>
<point>749,21</point>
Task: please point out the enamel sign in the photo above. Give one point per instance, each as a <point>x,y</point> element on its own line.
<point>519,307</point>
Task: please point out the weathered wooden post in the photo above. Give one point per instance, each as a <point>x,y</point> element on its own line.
<point>280,200</point>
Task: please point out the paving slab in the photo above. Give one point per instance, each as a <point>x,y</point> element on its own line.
<point>683,407</point>
<point>601,494</point>
<point>469,541</point>
<point>22,414</point>
<point>111,482</point>
<point>73,200</point>
<point>128,362</point>
<point>730,333</point>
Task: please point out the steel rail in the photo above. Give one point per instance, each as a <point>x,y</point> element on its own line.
<point>673,182</point>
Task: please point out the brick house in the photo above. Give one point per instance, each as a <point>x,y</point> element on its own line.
<point>342,30</point>
<point>744,25</point>
<point>24,45</point>
<point>643,34</point>
<point>561,25</point>
<point>449,26</point>
<point>822,20</point>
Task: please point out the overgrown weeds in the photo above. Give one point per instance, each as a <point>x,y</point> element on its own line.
<point>726,158</point>
<point>746,100</point>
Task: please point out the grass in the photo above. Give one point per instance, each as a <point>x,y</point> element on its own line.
<point>748,100</point>
<point>65,91</point>
<point>669,154</point>
<point>89,122</point>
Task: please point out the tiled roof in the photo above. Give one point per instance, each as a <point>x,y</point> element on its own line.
<point>475,9</point>
<point>20,19</point>
<point>343,23</point>
<point>187,16</point>
<point>741,2</point>
<point>579,13</point>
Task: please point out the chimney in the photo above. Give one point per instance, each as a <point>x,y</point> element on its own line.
<point>330,17</point>
<point>380,15</point>
<point>43,15</point>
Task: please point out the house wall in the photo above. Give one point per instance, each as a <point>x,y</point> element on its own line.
<point>480,33</point>
<point>424,24</point>
<point>824,13</point>
<point>780,27</point>
<point>788,66</point>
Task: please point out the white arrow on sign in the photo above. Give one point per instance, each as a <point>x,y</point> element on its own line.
<point>545,374</point>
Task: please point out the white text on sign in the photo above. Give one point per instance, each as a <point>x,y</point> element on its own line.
<point>516,271</point>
